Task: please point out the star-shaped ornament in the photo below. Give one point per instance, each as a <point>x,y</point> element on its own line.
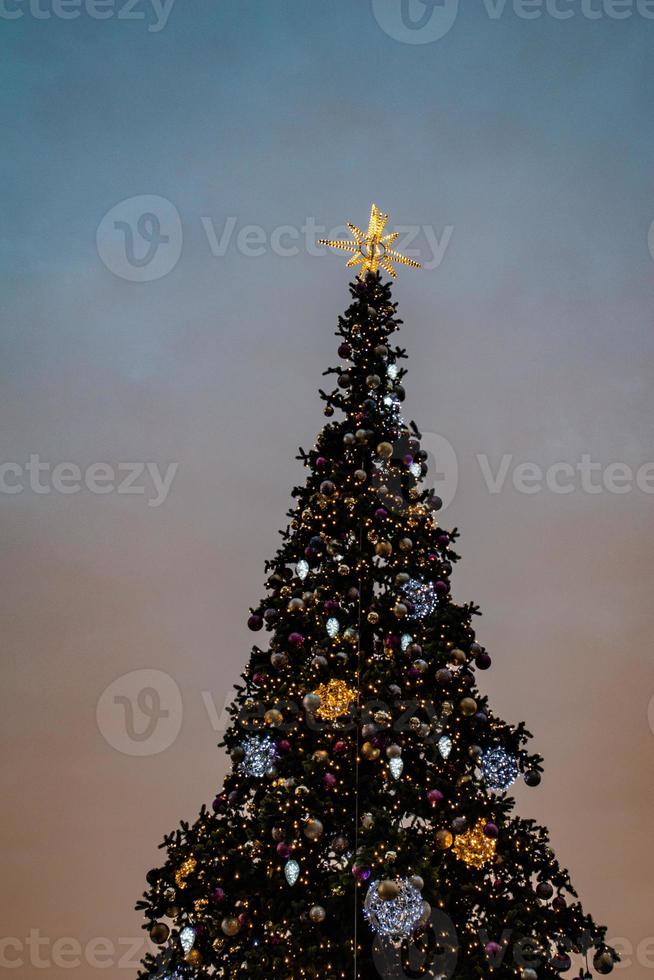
<point>372,249</point>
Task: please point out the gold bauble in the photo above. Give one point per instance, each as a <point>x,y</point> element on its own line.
<point>388,890</point>
<point>405,544</point>
<point>444,839</point>
<point>313,829</point>
<point>400,610</point>
<point>385,450</point>
<point>373,617</point>
<point>457,657</point>
<point>295,605</point>
<point>194,958</point>
<point>369,751</point>
<point>320,755</point>
<point>317,914</point>
<point>230,926</point>
<point>273,717</point>
<point>468,706</point>
<point>159,933</point>
<point>384,549</point>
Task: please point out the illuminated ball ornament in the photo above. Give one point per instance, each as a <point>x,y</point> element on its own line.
<point>260,755</point>
<point>499,768</point>
<point>396,916</point>
<point>475,847</point>
<point>422,596</point>
<point>317,914</point>
<point>335,700</point>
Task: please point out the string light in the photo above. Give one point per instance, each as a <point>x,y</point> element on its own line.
<point>335,699</point>
<point>474,847</point>
<point>395,917</point>
<point>260,756</point>
<point>500,769</point>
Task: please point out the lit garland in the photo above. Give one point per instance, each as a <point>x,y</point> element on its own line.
<point>500,769</point>
<point>184,871</point>
<point>394,917</point>
<point>474,847</point>
<point>335,699</point>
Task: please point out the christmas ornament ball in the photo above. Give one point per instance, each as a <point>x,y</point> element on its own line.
<point>388,889</point>
<point>385,450</point>
<point>159,933</point>
<point>444,839</point>
<point>603,961</point>
<point>230,927</point>
<point>532,777</point>
<point>468,706</point>
<point>317,914</point>
<point>313,829</point>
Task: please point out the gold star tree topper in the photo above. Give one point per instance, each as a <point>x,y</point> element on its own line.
<point>371,249</point>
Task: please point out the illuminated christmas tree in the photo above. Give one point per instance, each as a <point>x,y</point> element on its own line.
<point>365,828</point>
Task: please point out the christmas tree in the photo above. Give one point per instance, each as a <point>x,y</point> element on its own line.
<point>365,828</point>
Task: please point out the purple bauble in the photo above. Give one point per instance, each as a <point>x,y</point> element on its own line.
<point>257,679</point>
<point>296,639</point>
<point>442,587</point>
<point>321,463</point>
<point>344,350</point>
<point>381,513</point>
<point>483,661</point>
<point>361,874</point>
<point>217,896</point>
<point>284,745</point>
<point>329,780</point>
<point>435,796</point>
<point>284,850</point>
<point>493,949</point>
<point>491,830</point>
<point>255,622</point>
